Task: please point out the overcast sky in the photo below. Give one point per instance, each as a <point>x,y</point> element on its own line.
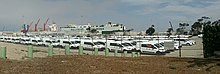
<point>136,14</point>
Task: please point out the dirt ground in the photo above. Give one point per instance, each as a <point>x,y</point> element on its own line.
<point>74,64</point>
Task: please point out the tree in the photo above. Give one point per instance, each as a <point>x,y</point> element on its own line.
<point>211,38</point>
<point>150,30</point>
<point>197,27</point>
<point>93,31</point>
<point>169,31</point>
<point>89,28</point>
<point>181,29</point>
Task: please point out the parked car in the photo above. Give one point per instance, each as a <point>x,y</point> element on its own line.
<point>185,41</point>
<point>200,35</point>
<point>113,45</point>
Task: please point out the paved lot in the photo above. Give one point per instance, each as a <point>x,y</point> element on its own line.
<point>18,51</point>
<point>195,51</point>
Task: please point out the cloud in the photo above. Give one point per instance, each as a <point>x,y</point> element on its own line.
<point>134,13</point>
<point>60,11</point>
<point>162,11</point>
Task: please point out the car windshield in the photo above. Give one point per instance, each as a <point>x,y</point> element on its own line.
<point>120,45</point>
<point>97,43</point>
<point>187,40</point>
<point>54,41</point>
<point>125,44</point>
<point>134,43</point>
<point>158,45</point>
<point>162,44</point>
<point>128,44</point>
<point>40,41</point>
<point>73,42</point>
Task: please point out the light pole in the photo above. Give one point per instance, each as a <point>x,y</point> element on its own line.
<point>179,46</point>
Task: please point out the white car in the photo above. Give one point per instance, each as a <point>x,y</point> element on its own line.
<point>185,41</point>
<point>200,35</point>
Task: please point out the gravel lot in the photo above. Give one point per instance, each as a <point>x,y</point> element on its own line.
<point>110,65</point>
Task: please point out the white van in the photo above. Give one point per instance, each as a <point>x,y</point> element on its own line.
<point>36,41</point>
<point>25,40</point>
<point>113,45</point>
<point>128,44</point>
<point>149,47</point>
<point>89,44</point>
<point>72,42</point>
<point>48,41</point>
<point>63,42</point>
<point>8,39</point>
<point>2,38</point>
<point>16,40</point>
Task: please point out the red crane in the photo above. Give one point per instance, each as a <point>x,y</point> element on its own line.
<point>35,27</point>
<point>45,24</point>
<point>29,26</point>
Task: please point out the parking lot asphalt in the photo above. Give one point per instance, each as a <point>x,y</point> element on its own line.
<point>18,51</point>
<point>194,51</point>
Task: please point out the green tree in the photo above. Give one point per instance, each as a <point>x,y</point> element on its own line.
<point>181,29</point>
<point>211,38</point>
<point>197,27</point>
<point>150,30</point>
<point>93,31</point>
<point>169,31</point>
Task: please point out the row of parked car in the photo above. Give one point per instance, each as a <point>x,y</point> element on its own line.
<point>140,45</point>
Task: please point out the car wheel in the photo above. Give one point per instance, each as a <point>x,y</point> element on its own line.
<point>158,52</point>
<point>138,50</point>
<point>77,47</point>
<point>108,49</point>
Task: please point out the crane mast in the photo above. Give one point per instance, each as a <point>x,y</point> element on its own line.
<point>35,27</point>
<point>29,26</point>
<point>45,24</point>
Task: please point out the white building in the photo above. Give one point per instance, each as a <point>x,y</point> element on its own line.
<point>77,29</point>
<point>109,28</point>
<point>53,27</point>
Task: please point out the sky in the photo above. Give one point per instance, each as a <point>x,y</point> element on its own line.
<point>135,14</point>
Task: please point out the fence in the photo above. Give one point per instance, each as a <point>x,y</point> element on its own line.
<point>30,51</point>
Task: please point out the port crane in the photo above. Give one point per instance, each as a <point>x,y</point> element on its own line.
<point>29,26</point>
<point>170,30</point>
<point>35,27</point>
<point>171,25</point>
<point>45,24</point>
